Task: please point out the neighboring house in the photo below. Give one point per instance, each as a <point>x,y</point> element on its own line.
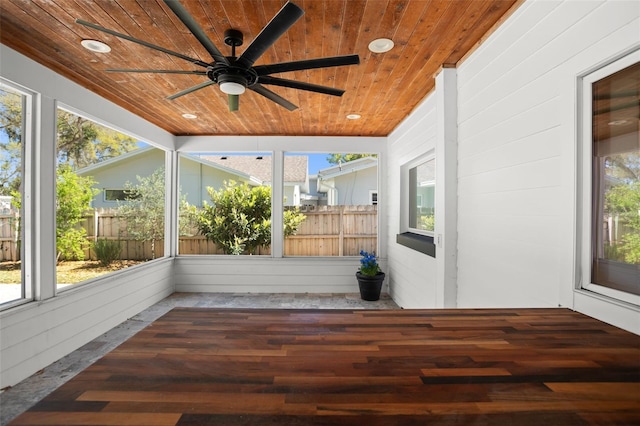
<point>296,172</point>
<point>352,183</point>
<point>5,204</point>
<point>196,174</point>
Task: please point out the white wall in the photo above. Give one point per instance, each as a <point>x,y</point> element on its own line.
<point>37,333</point>
<point>34,335</point>
<point>517,154</point>
<point>411,275</point>
<point>263,274</point>
<point>353,188</point>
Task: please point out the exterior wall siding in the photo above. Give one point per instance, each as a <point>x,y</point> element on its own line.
<point>411,275</point>
<point>255,274</point>
<point>517,147</point>
<point>37,334</point>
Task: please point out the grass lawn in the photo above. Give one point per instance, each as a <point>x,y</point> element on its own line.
<point>66,272</point>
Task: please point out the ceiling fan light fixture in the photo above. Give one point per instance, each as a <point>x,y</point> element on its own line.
<point>232,88</point>
<point>381,45</point>
<point>96,46</point>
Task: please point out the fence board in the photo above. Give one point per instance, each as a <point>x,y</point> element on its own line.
<point>326,231</point>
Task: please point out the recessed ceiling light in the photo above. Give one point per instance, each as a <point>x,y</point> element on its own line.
<point>189,116</point>
<point>95,46</point>
<point>381,45</point>
<point>353,116</point>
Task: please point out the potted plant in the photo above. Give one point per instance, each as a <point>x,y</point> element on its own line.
<point>369,276</point>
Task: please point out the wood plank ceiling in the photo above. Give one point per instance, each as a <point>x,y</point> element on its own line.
<point>383,89</point>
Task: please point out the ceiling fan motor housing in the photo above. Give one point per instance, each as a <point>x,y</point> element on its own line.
<point>230,74</point>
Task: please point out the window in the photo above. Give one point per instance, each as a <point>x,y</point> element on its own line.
<point>373,198</point>
<point>225,203</point>
<point>417,204</point>
<point>14,137</point>
<point>98,232</point>
<point>422,184</point>
<point>613,157</point>
<point>120,195</point>
<point>330,204</point>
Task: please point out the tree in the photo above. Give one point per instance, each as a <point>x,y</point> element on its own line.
<point>74,199</point>
<point>345,158</point>
<point>144,211</point>
<point>11,152</point>
<point>239,220</point>
<point>623,202</point>
<point>82,142</point>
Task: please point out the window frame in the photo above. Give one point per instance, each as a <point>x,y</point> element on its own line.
<point>409,171</point>
<point>413,238</point>
<point>29,101</point>
<point>586,172</point>
<point>373,197</point>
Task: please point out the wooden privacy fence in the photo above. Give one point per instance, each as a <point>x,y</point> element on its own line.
<point>9,244</point>
<point>326,231</point>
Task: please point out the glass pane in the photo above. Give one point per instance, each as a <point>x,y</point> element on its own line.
<point>97,232</point>
<point>422,180</point>
<point>225,203</point>
<point>12,286</point>
<point>330,204</point>
<point>616,186</point>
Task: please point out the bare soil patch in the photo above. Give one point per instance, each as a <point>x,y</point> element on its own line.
<point>71,272</point>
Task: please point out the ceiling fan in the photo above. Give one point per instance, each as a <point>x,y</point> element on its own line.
<point>236,74</point>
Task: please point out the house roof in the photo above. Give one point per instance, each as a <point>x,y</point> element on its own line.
<point>131,154</point>
<point>348,167</point>
<point>295,166</point>
<point>147,150</point>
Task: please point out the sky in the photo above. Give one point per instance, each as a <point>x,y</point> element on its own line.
<point>317,162</point>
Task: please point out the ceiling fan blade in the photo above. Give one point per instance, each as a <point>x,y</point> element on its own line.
<point>273,96</point>
<point>300,85</point>
<point>195,29</point>
<point>334,61</point>
<point>157,71</point>
<point>284,19</point>
<point>191,89</point>
<point>142,42</point>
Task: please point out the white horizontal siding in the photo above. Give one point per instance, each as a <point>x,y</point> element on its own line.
<point>516,155</point>
<point>255,274</point>
<point>412,275</point>
<point>34,335</point>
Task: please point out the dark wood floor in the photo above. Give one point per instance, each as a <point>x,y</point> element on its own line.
<point>194,366</point>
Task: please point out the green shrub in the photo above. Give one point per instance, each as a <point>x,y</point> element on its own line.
<point>107,251</point>
<point>71,244</point>
<point>239,218</point>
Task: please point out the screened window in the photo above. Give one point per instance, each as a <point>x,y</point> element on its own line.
<point>98,231</point>
<point>330,205</point>
<point>225,203</point>
<point>615,187</point>
<point>14,125</point>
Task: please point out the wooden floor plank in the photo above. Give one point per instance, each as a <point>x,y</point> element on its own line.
<point>197,366</point>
